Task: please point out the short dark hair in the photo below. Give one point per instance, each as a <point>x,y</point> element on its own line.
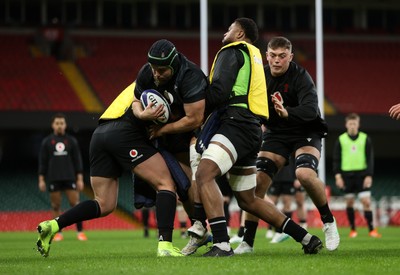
<point>58,115</point>
<point>280,42</point>
<point>250,28</point>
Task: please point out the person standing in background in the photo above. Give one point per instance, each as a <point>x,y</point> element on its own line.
<point>300,198</point>
<point>60,169</point>
<point>283,187</point>
<point>353,165</point>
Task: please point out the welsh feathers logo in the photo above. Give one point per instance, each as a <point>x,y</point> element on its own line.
<point>278,96</point>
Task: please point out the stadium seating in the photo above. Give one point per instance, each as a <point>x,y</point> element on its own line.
<point>357,74</point>
<point>355,71</point>
<point>32,84</point>
<point>112,63</point>
<point>24,206</point>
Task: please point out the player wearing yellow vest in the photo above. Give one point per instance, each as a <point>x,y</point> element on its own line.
<point>122,142</point>
<point>353,165</point>
<point>237,78</point>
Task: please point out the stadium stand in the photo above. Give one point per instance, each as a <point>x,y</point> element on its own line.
<point>112,63</point>
<point>23,205</point>
<point>356,79</point>
<point>354,71</point>
<point>357,74</point>
<point>30,83</point>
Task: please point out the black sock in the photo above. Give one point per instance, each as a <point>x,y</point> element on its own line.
<point>165,213</point>
<point>241,231</point>
<point>350,217</point>
<point>219,230</point>
<point>145,217</point>
<point>83,211</point>
<point>199,214</point>
<point>293,229</point>
<point>79,226</point>
<point>182,225</point>
<point>368,217</point>
<point>288,214</point>
<point>250,232</point>
<point>326,214</point>
<point>227,213</point>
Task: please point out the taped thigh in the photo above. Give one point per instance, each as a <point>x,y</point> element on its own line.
<point>349,196</point>
<point>194,160</point>
<point>219,155</point>
<point>364,194</point>
<point>242,182</point>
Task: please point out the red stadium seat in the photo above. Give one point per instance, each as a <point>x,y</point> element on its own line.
<point>32,84</point>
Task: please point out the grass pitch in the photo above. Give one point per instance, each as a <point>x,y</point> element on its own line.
<point>127,252</point>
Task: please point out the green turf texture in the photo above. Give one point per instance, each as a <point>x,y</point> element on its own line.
<point>127,252</point>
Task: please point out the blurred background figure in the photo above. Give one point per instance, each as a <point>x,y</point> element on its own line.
<point>282,187</point>
<point>353,165</point>
<point>60,169</point>
<point>182,218</point>
<point>53,40</point>
<point>145,220</point>
<point>181,215</point>
<point>300,198</point>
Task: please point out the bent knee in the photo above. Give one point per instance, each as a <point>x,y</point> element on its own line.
<point>304,175</point>
<point>245,200</point>
<point>206,172</point>
<point>106,207</point>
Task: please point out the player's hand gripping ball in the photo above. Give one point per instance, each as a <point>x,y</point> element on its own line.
<point>156,98</point>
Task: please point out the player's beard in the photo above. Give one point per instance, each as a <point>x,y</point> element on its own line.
<point>161,81</point>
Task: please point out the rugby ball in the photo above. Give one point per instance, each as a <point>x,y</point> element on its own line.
<point>153,96</point>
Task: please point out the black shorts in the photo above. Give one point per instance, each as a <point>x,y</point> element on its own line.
<point>245,137</point>
<point>354,183</point>
<point>176,143</point>
<point>285,145</point>
<point>55,186</point>
<point>278,188</point>
<point>117,146</point>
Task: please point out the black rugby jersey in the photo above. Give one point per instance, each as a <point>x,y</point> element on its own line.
<point>188,85</point>
<point>297,90</point>
<point>60,158</point>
